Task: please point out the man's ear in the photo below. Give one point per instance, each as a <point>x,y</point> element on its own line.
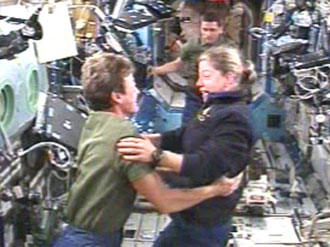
<point>221,30</point>
<point>116,97</point>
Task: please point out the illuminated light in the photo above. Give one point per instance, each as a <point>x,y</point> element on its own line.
<point>269,17</point>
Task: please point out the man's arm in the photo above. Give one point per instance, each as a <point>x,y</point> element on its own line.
<point>167,67</point>
<point>140,149</point>
<point>168,200</point>
<point>170,160</point>
<point>226,152</point>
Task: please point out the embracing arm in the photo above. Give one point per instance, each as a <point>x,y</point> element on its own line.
<point>173,66</point>
<point>140,149</point>
<point>225,153</point>
<point>168,200</point>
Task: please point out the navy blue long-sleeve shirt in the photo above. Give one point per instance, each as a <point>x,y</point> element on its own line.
<point>218,142</point>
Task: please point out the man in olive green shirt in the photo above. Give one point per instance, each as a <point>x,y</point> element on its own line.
<point>103,194</point>
<point>211,30</point>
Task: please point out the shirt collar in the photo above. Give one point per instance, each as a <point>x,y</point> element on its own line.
<point>230,95</point>
<point>217,43</point>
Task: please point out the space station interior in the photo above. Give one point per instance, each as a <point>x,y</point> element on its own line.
<point>286,200</point>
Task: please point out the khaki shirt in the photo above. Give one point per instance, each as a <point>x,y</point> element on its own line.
<point>102,197</point>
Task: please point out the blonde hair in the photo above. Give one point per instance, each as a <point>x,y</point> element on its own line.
<point>103,74</point>
<point>229,60</point>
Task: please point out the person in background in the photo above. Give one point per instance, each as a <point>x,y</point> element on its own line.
<point>102,196</point>
<point>216,143</point>
<point>211,29</point>
<point>237,24</point>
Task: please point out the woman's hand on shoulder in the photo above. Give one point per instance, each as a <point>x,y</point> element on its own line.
<point>136,149</point>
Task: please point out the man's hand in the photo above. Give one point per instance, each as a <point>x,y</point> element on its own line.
<point>152,71</point>
<point>136,149</point>
<point>225,186</point>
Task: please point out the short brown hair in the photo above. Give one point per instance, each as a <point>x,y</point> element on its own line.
<point>212,16</point>
<point>103,74</point>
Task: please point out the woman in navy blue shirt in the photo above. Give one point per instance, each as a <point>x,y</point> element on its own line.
<point>216,143</point>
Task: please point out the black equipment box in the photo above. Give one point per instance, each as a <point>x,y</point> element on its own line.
<point>61,122</point>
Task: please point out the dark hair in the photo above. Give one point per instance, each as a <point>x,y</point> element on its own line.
<point>229,60</point>
<point>103,74</point>
<point>212,16</point>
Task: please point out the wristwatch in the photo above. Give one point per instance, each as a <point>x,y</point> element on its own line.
<point>157,156</point>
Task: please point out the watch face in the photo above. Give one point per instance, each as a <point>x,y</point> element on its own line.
<point>157,155</point>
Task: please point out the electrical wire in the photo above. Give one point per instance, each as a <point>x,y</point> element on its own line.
<point>50,144</point>
<point>59,177</point>
<point>53,173</point>
<point>315,75</point>
<point>6,141</point>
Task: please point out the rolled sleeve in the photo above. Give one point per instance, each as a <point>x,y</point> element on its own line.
<point>137,171</point>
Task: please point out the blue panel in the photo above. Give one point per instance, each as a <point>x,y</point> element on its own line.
<point>155,116</point>
<point>144,118</point>
<point>167,119</point>
<point>267,119</point>
<point>144,35</point>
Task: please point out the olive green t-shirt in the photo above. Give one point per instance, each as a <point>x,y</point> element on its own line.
<point>102,197</point>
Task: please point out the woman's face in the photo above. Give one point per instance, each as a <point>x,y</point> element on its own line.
<point>209,79</point>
